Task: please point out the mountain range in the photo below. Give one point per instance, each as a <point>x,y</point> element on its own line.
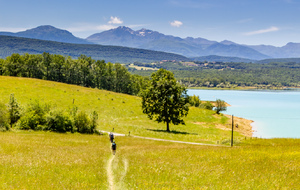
<point>153,40</point>
<point>48,33</point>
<point>20,45</point>
<point>189,47</point>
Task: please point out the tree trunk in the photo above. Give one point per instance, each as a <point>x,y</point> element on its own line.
<point>168,128</point>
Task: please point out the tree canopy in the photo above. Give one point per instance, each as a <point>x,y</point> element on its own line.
<point>83,71</point>
<point>165,99</point>
<point>220,106</point>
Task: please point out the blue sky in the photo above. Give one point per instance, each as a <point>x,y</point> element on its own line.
<point>253,22</point>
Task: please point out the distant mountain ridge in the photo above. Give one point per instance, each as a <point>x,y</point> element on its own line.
<point>11,44</point>
<point>153,40</point>
<point>190,47</point>
<point>50,33</point>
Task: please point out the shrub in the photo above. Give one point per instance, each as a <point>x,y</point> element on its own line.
<point>194,100</point>
<point>94,119</point>
<point>34,117</point>
<point>14,110</point>
<point>29,121</point>
<point>59,121</point>
<point>4,118</point>
<point>82,123</point>
<point>207,105</point>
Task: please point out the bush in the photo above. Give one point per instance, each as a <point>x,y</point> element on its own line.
<point>38,116</point>
<point>29,120</point>
<point>4,118</point>
<point>194,100</point>
<point>94,119</point>
<point>82,123</point>
<point>207,105</point>
<point>59,121</point>
<point>34,117</point>
<point>14,110</point>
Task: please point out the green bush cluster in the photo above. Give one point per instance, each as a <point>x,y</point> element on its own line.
<point>40,116</point>
<point>207,105</point>
<point>195,101</point>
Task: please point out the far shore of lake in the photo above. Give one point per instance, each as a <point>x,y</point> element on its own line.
<point>245,88</point>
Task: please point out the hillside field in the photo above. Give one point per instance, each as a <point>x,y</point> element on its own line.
<point>47,160</point>
<point>119,111</point>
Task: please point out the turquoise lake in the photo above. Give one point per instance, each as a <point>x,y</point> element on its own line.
<point>276,114</point>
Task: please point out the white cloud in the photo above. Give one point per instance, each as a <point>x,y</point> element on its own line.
<point>115,20</point>
<point>176,23</point>
<point>271,29</point>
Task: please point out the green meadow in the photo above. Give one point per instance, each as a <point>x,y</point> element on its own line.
<point>48,160</point>
<point>117,111</point>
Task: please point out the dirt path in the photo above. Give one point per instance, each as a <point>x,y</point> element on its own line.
<point>156,139</point>
<point>110,176</point>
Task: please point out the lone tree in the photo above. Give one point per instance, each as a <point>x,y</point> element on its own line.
<point>165,99</point>
<point>220,106</point>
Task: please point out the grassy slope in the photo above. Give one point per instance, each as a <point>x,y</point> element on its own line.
<point>119,111</point>
<point>44,160</point>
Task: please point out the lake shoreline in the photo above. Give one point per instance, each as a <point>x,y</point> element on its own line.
<point>276,113</point>
<point>250,88</point>
<point>241,125</point>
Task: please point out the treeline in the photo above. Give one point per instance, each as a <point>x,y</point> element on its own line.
<point>83,71</point>
<point>40,116</point>
<point>230,75</point>
<point>260,78</point>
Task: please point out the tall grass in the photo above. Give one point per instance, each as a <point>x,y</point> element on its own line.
<point>45,160</point>
<point>262,164</point>
<point>41,160</point>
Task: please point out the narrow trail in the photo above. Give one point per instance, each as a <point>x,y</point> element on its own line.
<point>125,162</point>
<point>110,176</point>
<point>165,140</point>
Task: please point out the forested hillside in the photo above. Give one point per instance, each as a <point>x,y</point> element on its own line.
<point>229,75</point>
<point>88,72</point>
<point>10,45</point>
<point>83,71</point>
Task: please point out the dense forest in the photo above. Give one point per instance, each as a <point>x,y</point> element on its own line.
<point>10,45</point>
<point>228,75</point>
<point>83,71</point>
<point>88,72</point>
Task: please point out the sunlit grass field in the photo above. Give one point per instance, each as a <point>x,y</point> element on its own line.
<point>119,111</point>
<point>46,160</point>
